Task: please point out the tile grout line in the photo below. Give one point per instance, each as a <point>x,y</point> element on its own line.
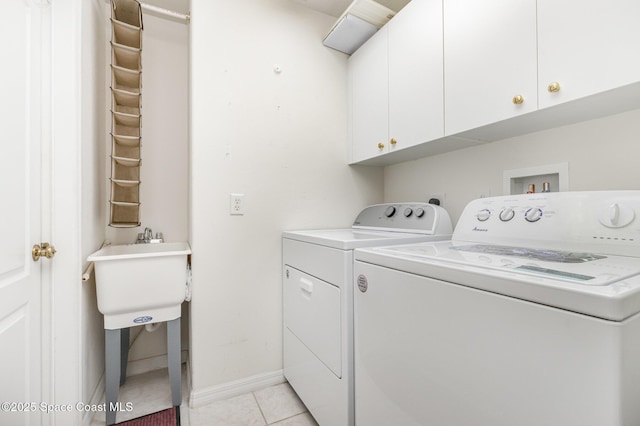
<point>253,394</point>
<point>292,416</point>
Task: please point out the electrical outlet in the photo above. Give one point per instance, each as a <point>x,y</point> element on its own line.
<point>236,204</point>
<point>440,196</point>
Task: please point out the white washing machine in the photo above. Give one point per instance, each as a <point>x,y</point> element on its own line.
<point>318,300</point>
<point>528,316</point>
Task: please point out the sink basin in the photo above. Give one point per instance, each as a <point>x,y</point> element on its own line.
<point>140,283</point>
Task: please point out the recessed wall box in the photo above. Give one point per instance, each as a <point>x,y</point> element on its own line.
<point>349,34</point>
<point>356,25</point>
<point>555,175</point>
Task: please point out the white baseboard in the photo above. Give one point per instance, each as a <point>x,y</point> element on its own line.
<point>227,390</point>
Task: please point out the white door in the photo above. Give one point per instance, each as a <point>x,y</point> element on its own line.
<point>20,179</point>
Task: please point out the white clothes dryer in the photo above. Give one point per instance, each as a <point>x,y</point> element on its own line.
<point>529,315</point>
<point>318,300</point>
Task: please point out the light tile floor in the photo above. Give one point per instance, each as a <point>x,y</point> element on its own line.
<point>150,392</point>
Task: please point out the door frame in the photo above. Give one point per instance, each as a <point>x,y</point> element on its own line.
<point>62,173</point>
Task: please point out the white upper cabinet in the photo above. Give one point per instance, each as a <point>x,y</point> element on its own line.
<point>416,90</point>
<point>586,47</point>
<point>369,87</point>
<point>445,74</point>
<point>396,83</point>
<point>489,61</point>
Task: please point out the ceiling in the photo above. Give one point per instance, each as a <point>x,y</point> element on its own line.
<point>330,7</point>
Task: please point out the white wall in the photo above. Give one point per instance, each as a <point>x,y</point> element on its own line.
<point>278,138</point>
<point>602,155</point>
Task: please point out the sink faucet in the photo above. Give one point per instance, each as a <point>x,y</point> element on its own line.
<point>147,237</point>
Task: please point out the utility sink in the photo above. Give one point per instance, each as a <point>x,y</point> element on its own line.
<point>140,283</point>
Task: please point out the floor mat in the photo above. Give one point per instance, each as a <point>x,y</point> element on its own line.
<point>168,417</point>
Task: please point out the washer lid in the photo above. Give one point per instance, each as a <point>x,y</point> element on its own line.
<point>348,239</point>
<point>599,285</point>
<point>582,268</point>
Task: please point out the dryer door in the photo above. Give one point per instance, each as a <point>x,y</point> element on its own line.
<point>312,313</point>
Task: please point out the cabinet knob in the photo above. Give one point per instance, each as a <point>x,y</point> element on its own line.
<point>393,141</point>
<point>380,145</point>
<point>517,99</point>
<point>553,87</point>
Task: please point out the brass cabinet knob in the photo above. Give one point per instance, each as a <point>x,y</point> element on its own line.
<point>42,250</point>
<point>380,145</point>
<point>393,141</point>
<point>553,87</point>
<point>517,99</point>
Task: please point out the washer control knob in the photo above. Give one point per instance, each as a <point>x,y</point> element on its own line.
<point>390,211</point>
<point>483,215</point>
<point>507,214</point>
<point>419,212</point>
<point>408,212</point>
<point>617,215</point>
<point>533,214</point>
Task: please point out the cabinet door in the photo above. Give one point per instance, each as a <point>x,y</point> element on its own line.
<point>416,96</point>
<point>369,86</point>
<point>489,57</point>
<point>587,46</point>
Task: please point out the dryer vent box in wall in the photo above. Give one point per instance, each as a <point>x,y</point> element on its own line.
<point>349,34</point>
<point>358,23</point>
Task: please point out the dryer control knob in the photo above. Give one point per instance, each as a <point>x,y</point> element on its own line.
<point>507,214</point>
<point>390,211</point>
<point>408,212</point>
<point>483,215</point>
<point>419,212</point>
<point>533,214</point>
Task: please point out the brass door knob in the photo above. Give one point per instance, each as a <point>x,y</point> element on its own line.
<point>380,145</point>
<point>393,141</point>
<point>517,99</point>
<point>42,250</point>
<point>553,87</point>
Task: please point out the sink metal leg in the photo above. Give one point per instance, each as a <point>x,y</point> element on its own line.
<point>124,354</point>
<point>112,373</point>
<point>173,353</point>
<point>115,371</point>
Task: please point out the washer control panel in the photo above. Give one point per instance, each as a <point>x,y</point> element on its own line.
<point>405,217</point>
<point>605,220</point>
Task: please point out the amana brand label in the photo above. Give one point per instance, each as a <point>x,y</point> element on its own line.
<point>362,283</point>
<point>142,320</point>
